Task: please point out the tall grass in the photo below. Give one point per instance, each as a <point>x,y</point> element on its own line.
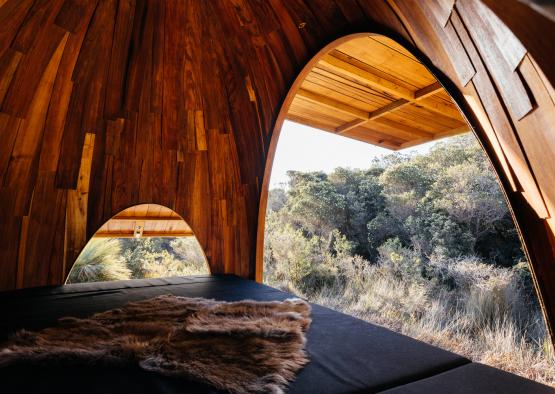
<point>100,260</point>
<point>483,312</point>
<point>105,259</point>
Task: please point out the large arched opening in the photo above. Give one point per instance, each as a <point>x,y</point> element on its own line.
<point>315,101</point>
<point>473,113</point>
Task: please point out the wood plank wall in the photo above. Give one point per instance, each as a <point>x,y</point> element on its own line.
<point>105,104</point>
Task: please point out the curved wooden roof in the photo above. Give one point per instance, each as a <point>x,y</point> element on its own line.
<point>372,89</point>
<point>108,104</point>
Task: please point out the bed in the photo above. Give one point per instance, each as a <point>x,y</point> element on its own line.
<point>347,355</point>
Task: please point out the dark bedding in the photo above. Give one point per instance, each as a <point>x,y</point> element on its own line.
<point>347,355</point>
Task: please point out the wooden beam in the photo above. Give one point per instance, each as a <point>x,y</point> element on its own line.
<point>427,91</point>
<point>420,94</point>
<point>373,115</point>
<point>121,234</point>
<point>332,104</point>
<point>391,124</point>
<point>438,136</point>
<point>366,78</point>
<point>147,218</point>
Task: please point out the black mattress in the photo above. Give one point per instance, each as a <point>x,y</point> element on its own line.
<point>347,355</point>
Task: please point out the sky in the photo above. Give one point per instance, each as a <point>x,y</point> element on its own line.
<point>304,148</point>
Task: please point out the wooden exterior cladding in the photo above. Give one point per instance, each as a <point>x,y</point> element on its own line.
<point>371,89</point>
<point>107,104</point>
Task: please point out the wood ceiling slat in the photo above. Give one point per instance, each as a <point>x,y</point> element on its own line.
<point>387,59</point>
<point>365,77</point>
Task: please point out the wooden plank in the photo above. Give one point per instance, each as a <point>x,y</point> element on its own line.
<point>502,126</point>
<point>23,86</point>
<point>428,35</point>
<point>22,168</point>
<point>76,211</point>
<point>442,10</point>
<point>144,234</point>
<point>537,134</point>
<point>386,59</point>
<point>449,39</point>
<point>332,104</point>
<point>511,87</point>
<point>373,115</point>
<point>8,65</point>
<point>9,250</point>
<point>427,91</point>
<point>365,77</point>
<point>147,218</point>
<point>419,95</point>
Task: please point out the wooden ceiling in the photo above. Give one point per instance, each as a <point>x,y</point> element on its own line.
<point>145,220</point>
<point>373,90</point>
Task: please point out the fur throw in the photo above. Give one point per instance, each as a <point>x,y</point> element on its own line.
<point>243,347</point>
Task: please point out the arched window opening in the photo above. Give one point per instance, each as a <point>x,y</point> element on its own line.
<point>419,240</point>
<point>144,241</point>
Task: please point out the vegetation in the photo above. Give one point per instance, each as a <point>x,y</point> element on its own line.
<point>136,258</point>
<point>422,244</point>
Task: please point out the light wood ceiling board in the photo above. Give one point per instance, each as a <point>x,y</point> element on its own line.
<point>440,107</point>
<point>154,210</point>
<point>403,123</point>
<point>332,103</point>
<point>373,115</point>
<point>374,139</point>
<point>375,134</point>
<point>325,126</point>
<point>327,91</point>
<point>373,100</point>
<point>389,87</point>
<point>388,60</point>
<point>354,88</point>
<point>444,95</point>
<point>420,95</point>
<point>416,114</point>
<point>405,133</point>
<point>365,77</point>
<point>314,118</point>
<point>318,110</point>
<point>354,81</point>
<point>304,111</point>
<point>370,67</point>
<point>398,137</point>
<point>438,136</point>
<point>330,72</point>
<point>393,45</point>
<point>146,234</point>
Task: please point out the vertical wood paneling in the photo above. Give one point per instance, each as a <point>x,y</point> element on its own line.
<point>502,126</point>
<point>181,97</point>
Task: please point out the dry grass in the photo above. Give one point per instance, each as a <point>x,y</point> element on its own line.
<point>485,313</point>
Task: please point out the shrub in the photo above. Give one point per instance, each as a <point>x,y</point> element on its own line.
<point>100,260</point>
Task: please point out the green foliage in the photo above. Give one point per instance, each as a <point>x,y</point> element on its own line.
<point>100,260</point>
<point>422,244</point>
<point>138,258</point>
<point>448,199</point>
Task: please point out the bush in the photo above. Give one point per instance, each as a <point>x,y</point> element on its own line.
<point>105,259</point>
<point>100,261</point>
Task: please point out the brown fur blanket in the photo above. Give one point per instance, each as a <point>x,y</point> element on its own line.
<point>244,346</point>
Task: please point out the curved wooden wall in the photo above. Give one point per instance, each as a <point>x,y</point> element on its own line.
<point>107,104</point>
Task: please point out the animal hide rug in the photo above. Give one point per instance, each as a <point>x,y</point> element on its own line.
<point>242,347</point>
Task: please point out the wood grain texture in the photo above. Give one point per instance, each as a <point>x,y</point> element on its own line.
<point>182,97</point>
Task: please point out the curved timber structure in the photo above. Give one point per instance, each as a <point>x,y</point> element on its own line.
<point>107,104</point>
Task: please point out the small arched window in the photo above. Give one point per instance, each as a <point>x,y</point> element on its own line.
<point>144,241</point>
